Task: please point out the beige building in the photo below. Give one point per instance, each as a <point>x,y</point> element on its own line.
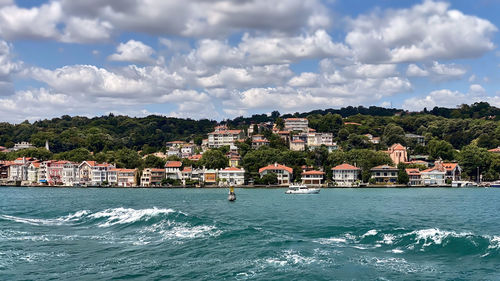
<point>398,153</point>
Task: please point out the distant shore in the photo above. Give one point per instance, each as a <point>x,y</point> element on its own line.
<point>240,186</point>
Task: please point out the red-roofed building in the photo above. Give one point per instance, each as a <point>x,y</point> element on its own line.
<point>122,177</point>
<point>232,176</point>
<point>195,157</point>
<point>283,172</point>
<point>173,170</point>
<point>453,171</point>
<point>297,124</point>
<point>297,145</point>
<point>415,178</point>
<point>345,174</point>
<point>398,154</point>
<point>93,173</point>
<point>222,136</point>
<point>312,177</point>
<point>152,177</point>
<point>259,142</point>
<point>434,176</point>
<point>352,123</point>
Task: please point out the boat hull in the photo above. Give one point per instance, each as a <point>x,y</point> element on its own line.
<point>304,191</point>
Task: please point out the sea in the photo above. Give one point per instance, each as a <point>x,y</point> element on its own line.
<point>197,234</point>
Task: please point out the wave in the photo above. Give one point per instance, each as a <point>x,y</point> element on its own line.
<point>57,221</point>
<point>431,240</point>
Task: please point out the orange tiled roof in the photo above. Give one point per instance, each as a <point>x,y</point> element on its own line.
<point>276,167</point>
<point>173,164</point>
<point>450,166</point>
<point>345,166</point>
<point>496,150</point>
<point>232,169</point>
<point>313,173</point>
<point>385,167</point>
<point>412,172</point>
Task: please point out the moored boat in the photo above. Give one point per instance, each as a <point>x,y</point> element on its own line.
<point>495,184</point>
<point>463,184</point>
<point>301,189</point>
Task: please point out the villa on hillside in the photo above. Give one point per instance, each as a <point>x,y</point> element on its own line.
<point>173,170</point>
<point>398,153</point>
<point>297,124</point>
<point>222,136</point>
<point>345,174</point>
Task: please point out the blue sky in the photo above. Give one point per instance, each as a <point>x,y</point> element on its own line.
<point>220,59</point>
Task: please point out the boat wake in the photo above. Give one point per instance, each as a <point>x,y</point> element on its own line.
<point>431,240</point>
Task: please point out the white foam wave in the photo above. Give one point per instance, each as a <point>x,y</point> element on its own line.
<point>127,215</point>
<point>56,221</point>
<point>372,232</point>
<point>290,257</point>
<point>435,236</point>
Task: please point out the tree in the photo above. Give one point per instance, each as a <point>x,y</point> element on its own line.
<point>152,161</point>
<point>403,177</point>
<point>76,155</point>
<point>471,158</point>
<point>214,159</point>
<point>440,149</point>
<point>280,124</point>
<point>393,134</point>
<point>127,158</point>
<point>270,178</point>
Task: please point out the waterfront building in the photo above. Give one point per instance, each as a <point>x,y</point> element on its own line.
<point>414,176</point>
<point>18,169</point>
<point>33,171</point>
<point>173,170</point>
<point>312,177</point>
<point>4,170</point>
<point>70,174</point>
<point>384,174</point>
<point>93,173</point>
<point>345,174</point>
<point>152,177</point>
<point>453,171</point>
<point>122,177</point>
<point>232,176</point>
<point>434,176</point>
<point>283,173</point>
<point>297,124</point>
<point>398,153</point>
<point>210,176</point>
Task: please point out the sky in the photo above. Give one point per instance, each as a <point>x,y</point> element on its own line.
<point>220,59</point>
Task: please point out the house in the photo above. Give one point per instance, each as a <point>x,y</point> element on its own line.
<point>152,177</point>
<point>418,162</point>
<point>187,150</point>
<point>297,124</point>
<point>297,145</point>
<point>232,176</point>
<point>222,136</point>
<point>195,157</point>
<point>174,151</point>
<point>173,170</point>
<point>175,144</point>
<point>122,177</point>
<point>283,173</point>
<point>385,174</point>
<point>312,177</point>
<point>42,171</point>
<point>453,171</point>
<point>418,139</point>
<point>372,139</point>
<point>55,172</point>
<point>22,145</point>
<point>33,171</point>
<point>4,170</point>
<point>318,139</point>
<point>284,135</point>
<point>210,176</point>
<point>18,169</point>
<point>70,175</point>
<point>260,142</point>
<point>415,177</point>
<point>345,174</point>
<point>93,173</point>
<point>434,176</point>
<point>398,153</point>
<point>234,161</point>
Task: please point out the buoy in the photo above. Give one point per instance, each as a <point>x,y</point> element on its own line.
<point>232,195</point>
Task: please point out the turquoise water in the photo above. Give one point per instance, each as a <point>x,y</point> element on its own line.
<point>196,234</point>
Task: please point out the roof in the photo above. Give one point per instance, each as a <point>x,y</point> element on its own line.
<point>496,150</point>
<point>175,142</point>
<point>232,169</point>
<point>195,157</point>
<point>384,167</point>
<point>352,123</point>
<point>450,166</point>
<point>313,173</point>
<point>187,169</point>
<point>173,164</point>
<point>283,132</point>
<point>264,140</point>
<point>124,170</point>
<point>397,146</point>
<point>298,141</point>
<point>157,170</point>
<point>433,169</point>
<point>295,119</point>
<point>276,166</point>
<point>345,167</point>
<point>412,172</point>
<point>226,132</point>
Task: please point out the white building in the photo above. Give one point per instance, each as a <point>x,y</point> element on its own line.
<point>187,150</point>
<point>93,173</point>
<point>297,124</point>
<point>22,145</point>
<point>312,177</point>
<point>433,176</point>
<point>232,176</point>
<point>173,170</point>
<point>33,172</point>
<point>70,174</point>
<point>283,173</point>
<point>222,136</point>
<point>318,139</point>
<point>345,175</point>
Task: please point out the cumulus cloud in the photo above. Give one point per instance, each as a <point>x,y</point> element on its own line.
<point>133,51</point>
<point>8,67</point>
<point>436,71</point>
<point>427,31</point>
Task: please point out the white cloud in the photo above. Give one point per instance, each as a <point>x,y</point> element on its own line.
<point>8,67</point>
<point>436,71</point>
<point>255,76</point>
<point>414,71</point>
<point>476,88</point>
<point>80,30</point>
<point>133,51</point>
<point>305,79</point>
<point>427,31</point>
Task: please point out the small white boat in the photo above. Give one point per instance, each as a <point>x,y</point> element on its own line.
<point>301,189</point>
<point>463,184</point>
